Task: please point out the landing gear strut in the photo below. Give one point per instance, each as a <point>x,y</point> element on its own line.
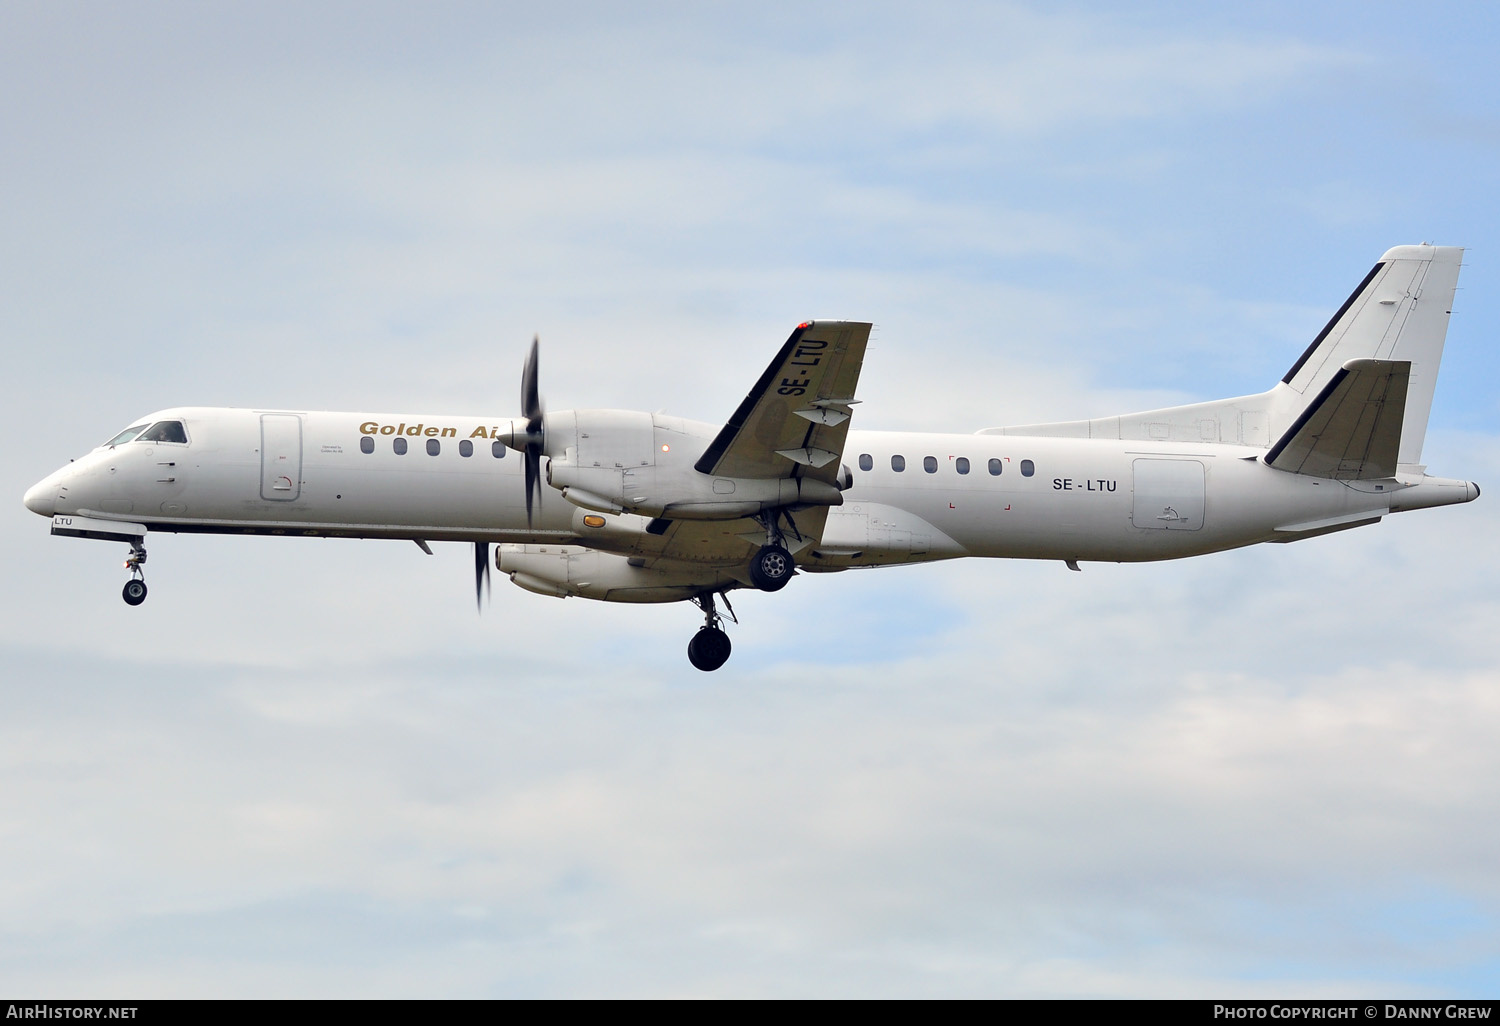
<point>772,565</point>
<point>710,647</point>
<point>134,592</point>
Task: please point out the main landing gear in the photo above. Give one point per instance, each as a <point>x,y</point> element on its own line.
<point>134,592</point>
<point>770,568</point>
<point>772,565</point>
<point>710,647</point>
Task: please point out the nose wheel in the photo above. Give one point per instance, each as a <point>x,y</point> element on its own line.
<point>710,647</point>
<point>134,592</point>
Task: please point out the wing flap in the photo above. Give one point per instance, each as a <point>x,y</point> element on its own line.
<point>730,543</point>
<point>1352,430</point>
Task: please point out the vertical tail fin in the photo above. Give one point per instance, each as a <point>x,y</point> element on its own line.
<point>1400,313</point>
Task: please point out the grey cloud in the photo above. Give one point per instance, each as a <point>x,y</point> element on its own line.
<point>309,768</point>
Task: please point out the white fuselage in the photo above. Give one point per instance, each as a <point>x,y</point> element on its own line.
<point>308,473</point>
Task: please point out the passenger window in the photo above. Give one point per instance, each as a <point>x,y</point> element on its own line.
<point>497,449</point>
<point>898,463</point>
<point>367,444</point>
<point>166,431</point>
<point>961,464</point>
<point>433,447</point>
<point>865,462</point>
<point>929,464</point>
<point>400,446</point>
<point>126,435</point>
<point>466,448</point>
<point>1027,468</point>
<point>995,467</point>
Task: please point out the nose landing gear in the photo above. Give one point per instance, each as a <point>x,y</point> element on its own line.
<point>134,592</point>
<point>710,647</point>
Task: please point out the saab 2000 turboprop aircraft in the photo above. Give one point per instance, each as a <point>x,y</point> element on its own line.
<point>651,508</point>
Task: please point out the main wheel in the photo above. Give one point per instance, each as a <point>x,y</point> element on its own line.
<point>709,649</point>
<point>135,592</point>
<point>771,568</point>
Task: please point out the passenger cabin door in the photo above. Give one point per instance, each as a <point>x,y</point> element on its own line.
<point>280,456</point>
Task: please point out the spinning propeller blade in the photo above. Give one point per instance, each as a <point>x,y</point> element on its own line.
<point>481,573</point>
<point>531,408</point>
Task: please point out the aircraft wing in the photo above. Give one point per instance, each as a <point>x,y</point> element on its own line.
<point>795,420</point>
<point>1352,430</point>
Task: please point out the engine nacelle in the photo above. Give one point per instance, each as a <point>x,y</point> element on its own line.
<point>681,493</point>
<point>564,570</point>
<point>621,461</point>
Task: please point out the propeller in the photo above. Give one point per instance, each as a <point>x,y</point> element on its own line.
<point>531,444</point>
<point>481,573</point>
<point>531,408</point>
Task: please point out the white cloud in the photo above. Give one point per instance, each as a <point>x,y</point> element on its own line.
<point>979,820</point>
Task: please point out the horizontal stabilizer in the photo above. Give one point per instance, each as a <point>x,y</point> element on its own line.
<point>1352,430</point>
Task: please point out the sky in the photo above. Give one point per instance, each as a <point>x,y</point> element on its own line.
<point>307,768</point>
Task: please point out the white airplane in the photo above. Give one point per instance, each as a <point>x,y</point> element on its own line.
<point>651,508</point>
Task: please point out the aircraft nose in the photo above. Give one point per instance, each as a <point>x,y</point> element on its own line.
<point>42,496</point>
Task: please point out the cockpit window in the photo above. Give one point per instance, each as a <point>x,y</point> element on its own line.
<point>126,435</point>
<point>165,431</point>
